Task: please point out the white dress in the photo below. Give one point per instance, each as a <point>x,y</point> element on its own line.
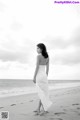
<point>42,87</point>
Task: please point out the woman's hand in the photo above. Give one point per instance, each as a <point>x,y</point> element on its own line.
<point>34,80</point>
<point>47,74</point>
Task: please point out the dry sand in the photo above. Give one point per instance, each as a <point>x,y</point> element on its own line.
<point>66,105</point>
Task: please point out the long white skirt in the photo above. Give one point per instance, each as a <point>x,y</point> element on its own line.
<point>42,87</point>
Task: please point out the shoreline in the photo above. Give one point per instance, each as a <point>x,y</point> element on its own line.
<point>32,90</point>
<point>30,96</point>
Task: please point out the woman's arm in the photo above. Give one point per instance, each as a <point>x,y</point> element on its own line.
<point>37,67</point>
<point>47,67</point>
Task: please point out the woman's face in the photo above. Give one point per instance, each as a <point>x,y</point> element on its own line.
<point>38,50</point>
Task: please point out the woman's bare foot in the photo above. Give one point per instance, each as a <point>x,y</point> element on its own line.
<point>46,112</point>
<point>42,113</point>
<point>38,112</point>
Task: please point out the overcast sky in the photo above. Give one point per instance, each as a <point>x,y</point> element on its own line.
<point>25,23</point>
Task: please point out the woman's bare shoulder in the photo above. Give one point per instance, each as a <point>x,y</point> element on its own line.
<point>38,56</point>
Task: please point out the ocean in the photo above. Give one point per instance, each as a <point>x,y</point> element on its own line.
<point>13,87</point>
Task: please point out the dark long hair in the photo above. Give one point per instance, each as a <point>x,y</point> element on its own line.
<point>43,48</point>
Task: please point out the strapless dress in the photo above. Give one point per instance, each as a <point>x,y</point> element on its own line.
<point>42,87</point>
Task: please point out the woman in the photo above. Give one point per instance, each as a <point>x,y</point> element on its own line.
<point>40,78</point>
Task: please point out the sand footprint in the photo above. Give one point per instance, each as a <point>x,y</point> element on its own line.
<point>59,113</point>
<point>31,101</point>
<point>1,107</point>
<point>78,108</point>
<point>21,103</point>
<point>64,109</point>
<point>75,104</point>
<point>79,114</point>
<point>12,104</point>
<point>56,119</point>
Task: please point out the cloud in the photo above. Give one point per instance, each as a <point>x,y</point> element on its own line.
<point>14,44</point>
<point>2,6</point>
<point>61,43</point>
<point>15,69</point>
<point>4,65</point>
<point>16,26</point>
<point>75,39</point>
<point>13,56</point>
<point>76,9</point>
<point>65,51</point>
<point>56,43</point>
<point>16,50</point>
<point>68,56</point>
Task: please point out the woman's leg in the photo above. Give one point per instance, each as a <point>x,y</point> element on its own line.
<point>39,106</point>
<point>43,111</point>
<point>42,106</point>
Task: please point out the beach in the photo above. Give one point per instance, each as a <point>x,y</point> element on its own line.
<point>66,105</point>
